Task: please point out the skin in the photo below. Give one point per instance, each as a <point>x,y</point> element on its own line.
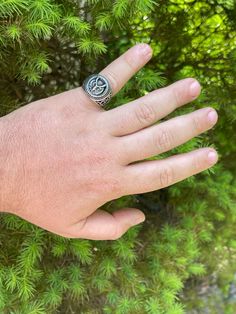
<point>64,156</point>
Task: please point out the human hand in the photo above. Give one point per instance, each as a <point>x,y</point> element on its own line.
<point>64,156</point>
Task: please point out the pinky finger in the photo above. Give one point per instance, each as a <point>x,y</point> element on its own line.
<point>153,175</point>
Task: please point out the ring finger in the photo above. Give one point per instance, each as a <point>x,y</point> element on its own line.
<point>161,138</point>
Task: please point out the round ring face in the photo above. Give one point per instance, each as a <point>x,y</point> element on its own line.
<point>97,86</point>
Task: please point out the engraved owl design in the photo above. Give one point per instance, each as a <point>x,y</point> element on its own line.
<point>97,86</point>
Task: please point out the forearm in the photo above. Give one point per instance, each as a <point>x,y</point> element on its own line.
<point>8,162</point>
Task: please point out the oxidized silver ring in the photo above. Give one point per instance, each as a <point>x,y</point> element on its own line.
<point>97,87</point>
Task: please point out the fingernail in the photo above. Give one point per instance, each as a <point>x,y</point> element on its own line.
<point>145,49</point>
<point>212,116</point>
<point>139,220</point>
<point>195,89</point>
<point>212,157</point>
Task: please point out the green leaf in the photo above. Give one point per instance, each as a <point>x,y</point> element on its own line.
<point>12,278</point>
<point>120,8</point>
<point>82,249</point>
<point>146,6</point>
<point>13,32</point>
<point>39,29</point>
<point>11,7</point>
<point>52,297</point>
<point>197,269</point>
<point>104,21</point>
<point>35,307</point>
<point>152,306</point>
<point>108,267</point>
<point>91,45</point>
<point>26,288</point>
<point>76,24</point>
<point>44,9</point>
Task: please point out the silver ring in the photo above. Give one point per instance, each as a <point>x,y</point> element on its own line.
<point>97,87</point>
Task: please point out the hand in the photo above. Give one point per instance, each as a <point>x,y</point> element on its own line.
<point>63,157</point>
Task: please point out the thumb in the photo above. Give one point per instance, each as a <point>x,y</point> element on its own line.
<point>102,225</point>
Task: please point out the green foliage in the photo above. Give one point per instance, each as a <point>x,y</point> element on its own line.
<point>48,46</point>
<point>10,7</point>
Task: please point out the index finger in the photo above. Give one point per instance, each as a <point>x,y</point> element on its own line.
<point>123,68</point>
<point>117,73</point>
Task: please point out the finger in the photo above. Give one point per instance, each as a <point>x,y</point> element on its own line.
<point>146,110</point>
<point>157,174</point>
<point>117,72</point>
<point>102,225</point>
<point>123,68</point>
<point>167,135</point>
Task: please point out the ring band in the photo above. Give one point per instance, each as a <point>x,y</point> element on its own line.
<point>97,87</point>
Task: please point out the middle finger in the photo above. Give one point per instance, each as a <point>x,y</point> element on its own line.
<point>146,110</point>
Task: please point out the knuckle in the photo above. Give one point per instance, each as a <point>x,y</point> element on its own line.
<point>105,188</point>
<point>177,96</point>
<point>197,124</point>
<point>166,176</point>
<point>197,164</point>
<point>112,80</point>
<point>130,61</point>
<point>163,140</point>
<point>116,233</point>
<point>145,114</point>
